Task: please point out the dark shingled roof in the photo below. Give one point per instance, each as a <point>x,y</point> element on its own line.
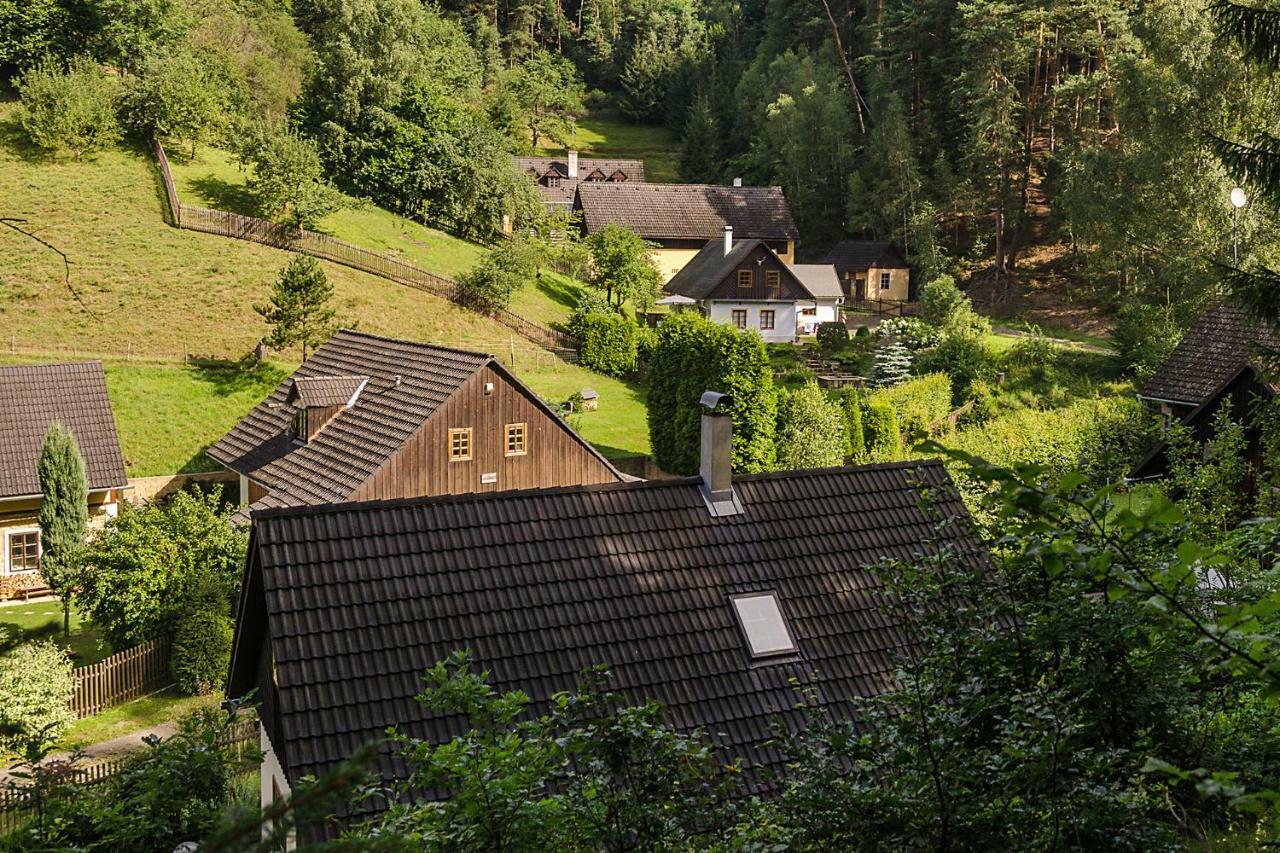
<point>687,211</point>
<point>360,599</point>
<point>860,255</point>
<point>309,392</point>
<point>1221,342</point>
<point>408,381</point>
<point>698,278</point>
<point>75,395</point>
<point>563,194</point>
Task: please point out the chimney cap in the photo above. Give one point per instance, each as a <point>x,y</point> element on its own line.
<point>711,399</point>
<point>737,182</point>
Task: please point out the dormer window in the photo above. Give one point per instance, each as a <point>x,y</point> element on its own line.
<point>553,181</point>
<point>763,625</point>
<point>299,425</point>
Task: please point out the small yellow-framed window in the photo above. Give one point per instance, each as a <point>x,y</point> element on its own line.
<point>744,278</point>
<point>517,436</point>
<point>460,444</point>
<point>772,279</point>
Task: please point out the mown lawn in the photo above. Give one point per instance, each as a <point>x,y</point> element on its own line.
<point>43,620</point>
<point>608,134</point>
<point>619,428</point>
<point>213,179</point>
<point>132,717</point>
<point>145,287</point>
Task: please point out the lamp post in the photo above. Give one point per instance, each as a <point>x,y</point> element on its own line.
<point>1238,200</point>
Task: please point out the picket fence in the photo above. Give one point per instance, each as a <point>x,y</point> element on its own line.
<point>124,676</point>
<point>19,802</point>
<point>328,248</point>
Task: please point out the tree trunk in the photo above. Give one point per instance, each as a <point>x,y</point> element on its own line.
<point>66,617</point>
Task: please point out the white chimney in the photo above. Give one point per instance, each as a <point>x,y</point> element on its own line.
<point>728,239</point>
<point>737,182</point>
<point>573,165</point>
<point>716,467</point>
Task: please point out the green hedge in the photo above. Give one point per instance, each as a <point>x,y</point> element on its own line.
<point>917,403</point>
<point>202,651</point>
<point>851,405</point>
<point>35,689</point>
<point>880,426</point>
<point>606,343</point>
<point>695,355</point>
<point>811,429</point>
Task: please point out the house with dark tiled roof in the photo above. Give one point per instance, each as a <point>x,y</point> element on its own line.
<point>712,595</point>
<point>745,283</point>
<point>871,269</point>
<point>558,178</point>
<point>679,219</point>
<point>368,417</point>
<point>35,397</point>
<point>1217,366</point>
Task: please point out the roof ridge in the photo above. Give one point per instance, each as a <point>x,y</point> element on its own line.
<point>671,482</point>
<point>91,362</point>
<point>407,342</point>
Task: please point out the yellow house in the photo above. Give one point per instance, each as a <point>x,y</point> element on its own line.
<point>871,270</point>
<point>35,396</point>
<point>679,219</point>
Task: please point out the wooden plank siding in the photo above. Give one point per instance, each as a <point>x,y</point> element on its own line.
<point>758,263</point>
<point>553,457</point>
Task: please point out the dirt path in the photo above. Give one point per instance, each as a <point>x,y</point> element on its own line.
<point>108,749</point>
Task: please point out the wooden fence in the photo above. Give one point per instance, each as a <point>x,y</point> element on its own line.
<point>18,800</point>
<point>883,307</point>
<point>339,252</point>
<point>126,675</point>
<point>951,419</point>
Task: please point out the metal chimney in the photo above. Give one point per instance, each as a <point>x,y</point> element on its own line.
<point>728,239</point>
<point>716,469</point>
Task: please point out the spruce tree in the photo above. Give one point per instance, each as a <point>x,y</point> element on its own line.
<point>892,364</point>
<point>299,312</point>
<point>700,157</point>
<point>64,515</point>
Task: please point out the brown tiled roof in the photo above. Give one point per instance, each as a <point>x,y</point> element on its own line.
<point>308,392</point>
<point>32,397</point>
<point>1220,343</point>
<point>860,255</point>
<point>687,211</point>
<point>360,599</point>
<point>408,381</point>
<point>633,170</point>
<point>698,278</point>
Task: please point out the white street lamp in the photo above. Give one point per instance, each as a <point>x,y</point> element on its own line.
<point>1238,200</point>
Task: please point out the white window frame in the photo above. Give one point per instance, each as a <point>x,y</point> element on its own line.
<point>886,281</point>
<point>791,649</point>
<point>8,549</point>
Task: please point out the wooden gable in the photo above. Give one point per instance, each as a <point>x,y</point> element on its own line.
<point>550,454</point>
<point>769,279</point>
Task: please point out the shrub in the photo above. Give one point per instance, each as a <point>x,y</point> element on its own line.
<point>832,336</point>
<point>72,111</point>
<point>811,429</point>
<point>145,570</point>
<point>694,355</point>
<point>880,426</point>
<point>1143,336</point>
<point>590,301</point>
<point>863,332</point>
<point>917,403</point>
<point>912,331</point>
<point>965,358</point>
<point>607,343</point>
<point>945,306</point>
<point>646,343</point>
<point>851,405</point>
<point>507,268</point>
<point>175,96</point>
<point>36,685</point>
<point>202,649</point>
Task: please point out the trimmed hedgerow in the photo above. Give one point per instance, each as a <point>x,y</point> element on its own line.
<point>880,426</point>
<point>201,650</point>
<point>695,355</point>
<point>606,343</point>
<point>851,405</point>
<point>918,403</point>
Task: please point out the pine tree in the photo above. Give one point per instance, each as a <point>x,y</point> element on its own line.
<point>64,515</point>
<point>892,364</point>
<point>700,156</point>
<point>299,312</point>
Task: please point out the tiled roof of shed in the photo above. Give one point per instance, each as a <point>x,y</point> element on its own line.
<point>33,397</point>
<point>687,211</point>
<point>1220,343</point>
<point>362,598</point>
<point>859,255</point>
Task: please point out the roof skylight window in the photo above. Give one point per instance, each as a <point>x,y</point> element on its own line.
<point>760,617</point>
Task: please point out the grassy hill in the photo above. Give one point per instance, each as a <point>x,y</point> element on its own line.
<point>150,290</point>
<point>607,134</point>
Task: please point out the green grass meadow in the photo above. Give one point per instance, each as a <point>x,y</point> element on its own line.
<point>606,133</point>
